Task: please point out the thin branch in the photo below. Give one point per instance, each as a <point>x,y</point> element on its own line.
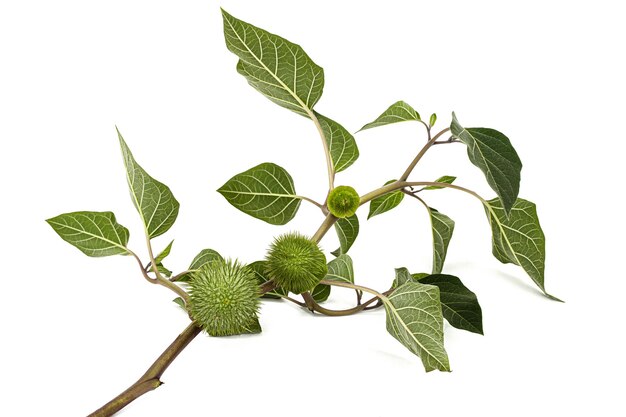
<point>151,379</point>
<point>182,274</point>
<point>315,307</point>
<point>421,153</point>
<point>310,200</point>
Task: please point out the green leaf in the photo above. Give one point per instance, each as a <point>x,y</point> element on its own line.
<point>164,253</point>
<point>493,153</point>
<point>277,68</point>
<point>397,112</point>
<point>385,202</point>
<point>320,293</point>
<point>93,233</point>
<point>419,275</point>
<point>445,179</point>
<point>180,302</point>
<point>442,226</point>
<point>154,201</point>
<point>519,239</point>
<point>402,277</point>
<point>347,230</point>
<point>259,268</point>
<point>341,269</point>
<point>341,144</point>
<point>433,119</point>
<point>459,305</point>
<point>205,256</point>
<point>163,270</point>
<point>255,328</point>
<point>265,192</point>
<point>414,318</point>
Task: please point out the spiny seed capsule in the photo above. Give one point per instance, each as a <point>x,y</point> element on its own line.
<point>224,298</point>
<point>296,263</point>
<point>343,201</point>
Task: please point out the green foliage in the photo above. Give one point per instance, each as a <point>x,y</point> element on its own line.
<point>446,179</point>
<point>320,293</point>
<point>277,68</point>
<point>414,318</point>
<point>153,200</point>
<point>224,298</point>
<point>397,112</point>
<point>343,201</point>
<point>347,230</point>
<point>265,191</point>
<point>341,144</point>
<point>385,202</point>
<point>493,153</point>
<point>260,270</point>
<point>205,256</point>
<point>295,263</point>
<point>442,226</point>
<point>518,238</point>
<point>459,305</point>
<point>432,120</point>
<point>93,233</point>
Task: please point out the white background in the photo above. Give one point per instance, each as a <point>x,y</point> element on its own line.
<point>76,331</point>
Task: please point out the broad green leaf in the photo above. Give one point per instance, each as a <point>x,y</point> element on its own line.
<point>320,293</point>
<point>442,226</point>
<point>205,256</point>
<point>347,230</point>
<point>493,153</point>
<point>93,233</point>
<point>414,318</point>
<point>419,275</point>
<point>259,268</point>
<point>385,202</point>
<point>519,239</point>
<point>402,276</point>
<point>341,144</point>
<point>341,269</point>
<point>445,179</point>
<point>277,68</point>
<point>265,192</point>
<point>397,112</point>
<point>164,253</point>
<point>459,305</point>
<point>154,201</point>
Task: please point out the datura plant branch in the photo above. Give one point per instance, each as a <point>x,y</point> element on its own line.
<point>222,296</point>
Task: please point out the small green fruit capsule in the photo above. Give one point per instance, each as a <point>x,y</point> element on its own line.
<point>343,201</point>
<point>224,298</point>
<point>296,263</point>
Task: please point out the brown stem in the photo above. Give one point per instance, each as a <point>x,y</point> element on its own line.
<point>152,378</point>
<point>312,305</point>
<point>431,142</point>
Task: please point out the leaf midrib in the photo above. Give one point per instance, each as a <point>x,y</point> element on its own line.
<point>116,244</point>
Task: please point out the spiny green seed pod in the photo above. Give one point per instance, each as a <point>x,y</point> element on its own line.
<point>343,201</point>
<point>224,298</point>
<point>296,263</point>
